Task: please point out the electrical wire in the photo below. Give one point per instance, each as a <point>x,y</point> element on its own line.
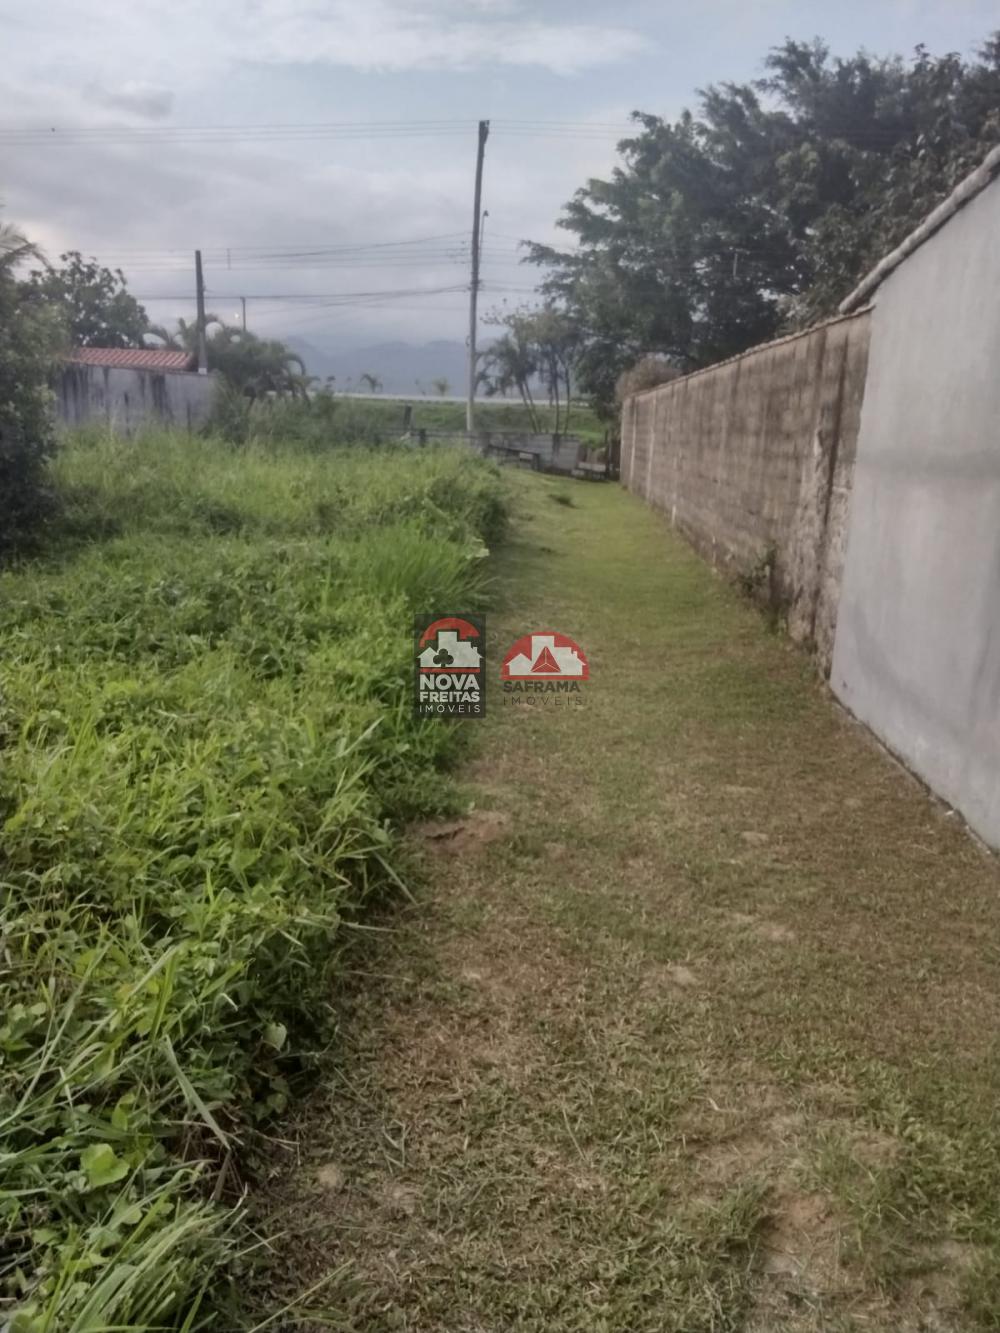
<point>38,135</point>
<point>213,295</point>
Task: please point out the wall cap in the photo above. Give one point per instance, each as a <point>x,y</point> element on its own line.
<point>967,189</point>
<point>752,351</point>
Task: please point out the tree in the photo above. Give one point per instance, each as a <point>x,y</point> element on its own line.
<point>761,212</point>
<point>441,387</point>
<point>511,362</point>
<point>14,248</point>
<point>183,338</point>
<point>556,338</point>
<point>372,381</point>
<point>647,373</point>
<point>95,304</point>
<point>539,345</point>
<point>257,366</point>
<point>29,342</point>
<point>252,366</point>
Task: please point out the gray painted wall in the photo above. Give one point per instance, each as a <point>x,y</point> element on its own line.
<point>128,400</point>
<point>917,650</point>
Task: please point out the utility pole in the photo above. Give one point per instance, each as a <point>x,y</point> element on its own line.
<point>243,303</point>
<point>199,281</point>
<point>470,408</point>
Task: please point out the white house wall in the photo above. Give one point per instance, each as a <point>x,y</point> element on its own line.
<point>917,647</point>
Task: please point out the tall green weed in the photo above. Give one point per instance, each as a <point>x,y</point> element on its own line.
<point>206,749</point>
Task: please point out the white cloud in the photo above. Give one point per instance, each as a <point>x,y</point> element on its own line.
<point>123,202</point>
<point>189,38</point>
<point>114,61</point>
<point>137,99</point>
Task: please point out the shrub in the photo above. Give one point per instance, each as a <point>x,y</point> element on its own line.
<point>208,746</point>
<point>28,338</point>
<point>647,373</point>
<point>318,422</point>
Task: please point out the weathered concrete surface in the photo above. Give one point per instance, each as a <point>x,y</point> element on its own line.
<point>752,462</point>
<point>551,453</point>
<point>128,400</point>
<point>917,654</point>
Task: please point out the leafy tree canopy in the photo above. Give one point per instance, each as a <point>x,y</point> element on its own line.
<point>94,302</point>
<point>29,339</point>
<point>759,213</point>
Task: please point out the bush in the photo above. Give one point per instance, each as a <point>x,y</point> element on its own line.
<point>647,373</point>
<point>28,338</point>
<point>326,419</point>
<point>208,744</point>
<point>320,421</point>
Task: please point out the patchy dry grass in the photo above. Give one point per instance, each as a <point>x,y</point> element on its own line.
<point>695,1026</point>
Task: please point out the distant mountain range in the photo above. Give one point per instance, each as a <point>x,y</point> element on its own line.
<point>402,368</point>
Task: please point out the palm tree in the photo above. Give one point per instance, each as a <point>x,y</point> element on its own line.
<point>511,363</point>
<point>373,381</point>
<point>251,365</point>
<point>185,337</point>
<point>14,247</point>
<point>257,366</point>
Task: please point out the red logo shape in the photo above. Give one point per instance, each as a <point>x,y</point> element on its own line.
<point>462,627</point>
<point>545,655</point>
<point>545,662</point>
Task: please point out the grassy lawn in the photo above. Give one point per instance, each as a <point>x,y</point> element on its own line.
<point>694,1025</point>
<point>431,414</point>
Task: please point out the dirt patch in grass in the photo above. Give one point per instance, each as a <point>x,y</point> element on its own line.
<point>459,837</point>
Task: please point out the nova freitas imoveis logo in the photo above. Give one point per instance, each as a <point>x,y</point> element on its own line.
<point>450,661</point>
<point>544,663</point>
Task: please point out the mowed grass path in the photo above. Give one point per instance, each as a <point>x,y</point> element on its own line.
<point>694,1024</point>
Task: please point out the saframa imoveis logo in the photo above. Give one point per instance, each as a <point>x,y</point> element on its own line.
<point>450,662</point>
<point>545,664</point>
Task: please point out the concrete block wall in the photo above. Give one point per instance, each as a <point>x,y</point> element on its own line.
<point>752,462</point>
<point>554,453</point>
<point>128,400</point>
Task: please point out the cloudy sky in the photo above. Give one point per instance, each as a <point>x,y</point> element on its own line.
<point>378,201</point>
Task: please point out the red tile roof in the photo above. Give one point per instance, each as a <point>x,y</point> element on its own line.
<point>133,358</point>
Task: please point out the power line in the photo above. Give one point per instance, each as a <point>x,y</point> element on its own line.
<point>299,248</point>
<point>302,296</point>
<point>39,135</point>
<point>418,262</point>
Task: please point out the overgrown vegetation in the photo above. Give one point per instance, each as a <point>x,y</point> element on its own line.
<point>29,337</point>
<point>324,417</point>
<point>761,212</point>
<point>207,745</point>
<point>649,372</point>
